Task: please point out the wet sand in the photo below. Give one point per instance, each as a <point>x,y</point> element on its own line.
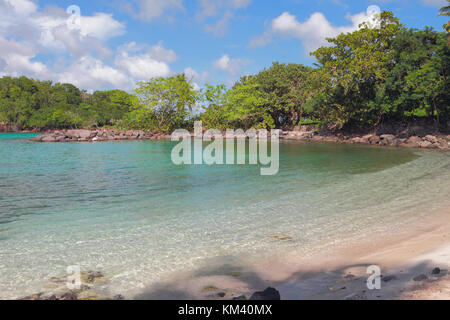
<point>339,273</point>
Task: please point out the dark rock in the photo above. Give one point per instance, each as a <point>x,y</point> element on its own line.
<point>69,296</point>
<point>268,295</point>
<point>221,294</point>
<point>240,298</point>
<point>389,278</point>
<point>118,297</point>
<point>436,271</point>
<point>422,277</point>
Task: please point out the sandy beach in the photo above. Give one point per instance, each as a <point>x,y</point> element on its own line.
<point>409,263</point>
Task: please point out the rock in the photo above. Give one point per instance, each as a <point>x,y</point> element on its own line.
<point>221,294</point>
<point>431,139</point>
<point>240,298</point>
<point>48,139</point>
<point>69,296</point>
<point>436,271</point>
<point>389,278</point>
<point>412,142</point>
<point>118,297</point>
<point>356,140</point>
<point>36,296</point>
<point>422,277</point>
<point>374,140</point>
<point>426,145</point>
<point>81,134</point>
<point>281,237</point>
<point>270,294</point>
<point>336,289</point>
<point>366,139</point>
<point>356,296</point>
<point>387,139</point>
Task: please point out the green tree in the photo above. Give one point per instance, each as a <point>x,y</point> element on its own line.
<point>352,68</point>
<point>168,100</point>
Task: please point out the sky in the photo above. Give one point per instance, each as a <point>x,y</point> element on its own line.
<point>100,45</point>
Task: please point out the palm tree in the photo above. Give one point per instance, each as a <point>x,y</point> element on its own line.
<point>445,11</point>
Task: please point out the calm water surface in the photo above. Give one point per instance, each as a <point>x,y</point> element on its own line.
<point>123,208</point>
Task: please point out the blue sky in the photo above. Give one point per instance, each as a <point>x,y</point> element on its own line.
<point>116,43</point>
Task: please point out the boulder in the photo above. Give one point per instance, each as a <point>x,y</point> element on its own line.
<point>49,139</point>
<point>387,139</point>
<point>431,139</point>
<point>426,145</point>
<point>436,271</point>
<point>366,139</point>
<point>82,133</point>
<point>374,140</point>
<point>270,294</point>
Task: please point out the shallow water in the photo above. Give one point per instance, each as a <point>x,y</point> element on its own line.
<point>124,209</point>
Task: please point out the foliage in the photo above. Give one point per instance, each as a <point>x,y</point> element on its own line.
<point>379,72</point>
<point>164,102</point>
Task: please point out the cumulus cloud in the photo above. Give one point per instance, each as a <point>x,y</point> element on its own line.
<point>149,10</point>
<point>231,66</point>
<point>16,60</point>
<point>210,8</point>
<point>153,62</point>
<point>89,72</point>
<point>83,58</point>
<point>312,32</point>
<point>197,79</point>
<point>223,9</point>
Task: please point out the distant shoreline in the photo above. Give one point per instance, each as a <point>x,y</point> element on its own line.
<point>426,141</point>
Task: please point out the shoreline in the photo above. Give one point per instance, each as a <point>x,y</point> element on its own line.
<point>435,142</point>
<point>407,261</point>
<point>415,265</point>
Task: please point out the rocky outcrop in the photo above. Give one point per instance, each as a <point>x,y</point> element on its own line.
<point>83,135</point>
<point>437,142</point>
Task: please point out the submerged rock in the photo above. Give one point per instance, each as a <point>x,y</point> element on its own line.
<point>421,277</point>
<point>389,278</point>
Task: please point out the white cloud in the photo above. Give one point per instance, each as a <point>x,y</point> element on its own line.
<point>143,66</point>
<point>16,60</point>
<point>197,79</point>
<point>231,66</point>
<point>101,26</point>
<point>219,29</point>
<point>149,10</point>
<point>222,8</point>
<point>211,8</point>
<point>312,32</point>
<point>158,52</point>
<point>88,72</point>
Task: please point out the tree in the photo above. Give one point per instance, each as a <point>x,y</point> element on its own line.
<point>168,100</point>
<point>419,82</point>
<point>445,11</point>
<point>352,69</point>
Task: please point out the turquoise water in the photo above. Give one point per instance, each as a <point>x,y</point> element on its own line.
<point>123,208</point>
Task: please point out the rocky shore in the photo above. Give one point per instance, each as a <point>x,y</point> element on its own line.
<point>302,133</point>
<point>438,142</point>
<point>100,135</point>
